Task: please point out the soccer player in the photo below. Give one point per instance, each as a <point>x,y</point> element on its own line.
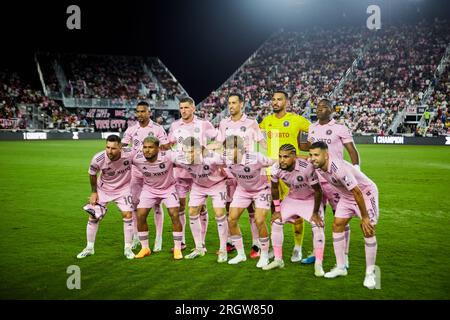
<point>281,128</point>
<point>304,200</point>
<point>159,187</point>
<point>252,186</point>
<point>238,124</point>
<point>208,180</point>
<point>189,126</point>
<point>135,136</point>
<point>358,196</point>
<point>112,185</point>
<point>337,137</point>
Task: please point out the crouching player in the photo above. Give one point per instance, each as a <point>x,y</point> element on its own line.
<point>303,200</point>
<point>358,196</point>
<point>112,185</point>
<point>159,187</point>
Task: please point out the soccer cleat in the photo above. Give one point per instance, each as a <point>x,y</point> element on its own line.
<point>230,247</point>
<point>336,272</point>
<point>274,264</point>
<point>158,245</point>
<point>143,253</point>
<point>222,257</point>
<point>128,253</point>
<point>262,262</point>
<point>254,253</point>
<point>370,281</point>
<point>195,253</point>
<point>239,258</point>
<point>183,247</point>
<point>309,260</point>
<point>177,255</point>
<point>135,244</point>
<point>318,270</point>
<point>347,263</point>
<point>85,253</point>
<point>296,254</point>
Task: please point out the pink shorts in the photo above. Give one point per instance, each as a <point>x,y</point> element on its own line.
<point>217,192</point>
<point>348,208</point>
<point>183,186</point>
<point>292,209</point>
<point>122,199</point>
<point>148,199</point>
<point>242,198</point>
<point>231,188</point>
<point>330,194</point>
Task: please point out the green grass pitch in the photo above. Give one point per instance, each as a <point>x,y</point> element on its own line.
<point>45,183</point>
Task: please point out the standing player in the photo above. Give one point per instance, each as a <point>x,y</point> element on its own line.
<point>252,186</point>
<point>159,187</point>
<point>135,136</point>
<point>336,136</point>
<point>281,128</point>
<point>358,196</point>
<point>238,124</point>
<point>304,200</point>
<point>189,126</point>
<point>112,185</point>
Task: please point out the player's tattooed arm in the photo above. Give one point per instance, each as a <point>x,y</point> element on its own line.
<point>317,203</point>
<point>366,227</point>
<point>302,140</point>
<point>94,197</point>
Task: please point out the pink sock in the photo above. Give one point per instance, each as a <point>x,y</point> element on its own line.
<point>254,228</point>
<point>128,231</point>
<point>222,228</point>
<point>143,238</point>
<point>177,238</point>
<point>91,230</point>
<point>347,238</point>
<point>318,242</point>
<point>264,242</point>
<point>196,229</point>
<point>134,217</point>
<point>277,239</point>
<point>339,248</point>
<point>204,224</point>
<point>371,253</point>
<point>238,243</point>
<point>159,220</point>
<point>183,226</point>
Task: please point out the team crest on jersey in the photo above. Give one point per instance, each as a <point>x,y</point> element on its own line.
<point>247,169</point>
<point>243,129</point>
<point>205,167</point>
<point>312,132</point>
<point>329,132</point>
<point>126,162</point>
<point>162,165</point>
<point>197,130</point>
<point>334,180</point>
<point>286,123</point>
<point>299,178</point>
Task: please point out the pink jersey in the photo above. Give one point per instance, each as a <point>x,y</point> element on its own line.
<point>335,135</point>
<point>207,173</point>
<point>344,177</point>
<point>300,180</point>
<point>115,175</point>
<point>245,127</point>
<point>136,134</point>
<point>250,174</point>
<point>158,175</point>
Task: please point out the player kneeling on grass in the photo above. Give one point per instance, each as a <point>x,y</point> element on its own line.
<point>159,187</point>
<point>252,186</point>
<point>303,200</point>
<point>112,185</point>
<point>358,196</point>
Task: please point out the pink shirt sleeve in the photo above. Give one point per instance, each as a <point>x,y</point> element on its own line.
<point>312,175</point>
<point>264,161</point>
<point>94,167</point>
<point>345,134</point>
<point>210,131</point>
<point>275,173</point>
<point>127,136</point>
<point>170,136</point>
<point>162,136</point>
<point>347,179</point>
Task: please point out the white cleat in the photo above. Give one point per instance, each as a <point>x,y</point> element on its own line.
<point>370,281</point>
<point>336,272</point>
<point>239,258</point>
<point>318,270</point>
<point>262,262</point>
<point>222,257</point>
<point>195,253</point>
<point>128,253</point>
<point>347,263</point>
<point>274,264</point>
<point>158,245</point>
<point>85,253</point>
<point>135,244</point>
<point>296,255</point>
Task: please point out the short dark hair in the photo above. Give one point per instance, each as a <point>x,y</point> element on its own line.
<point>327,102</point>
<point>143,103</point>
<point>319,144</point>
<point>236,94</point>
<point>288,147</point>
<point>286,95</point>
<point>152,139</point>
<point>187,99</point>
<point>113,138</point>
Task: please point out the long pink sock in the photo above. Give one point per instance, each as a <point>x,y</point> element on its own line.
<point>134,217</point>
<point>204,218</point>
<point>264,242</point>
<point>254,228</point>
<point>277,239</point>
<point>222,228</point>
<point>196,229</point>
<point>91,230</point>
<point>238,243</point>
<point>183,226</point>
<point>128,231</point>
<point>347,238</point>
<point>159,220</point>
<point>318,243</point>
<point>143,238</point>
<point>177,238</point>
<point>371,253</point>
<point>339,248</point>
